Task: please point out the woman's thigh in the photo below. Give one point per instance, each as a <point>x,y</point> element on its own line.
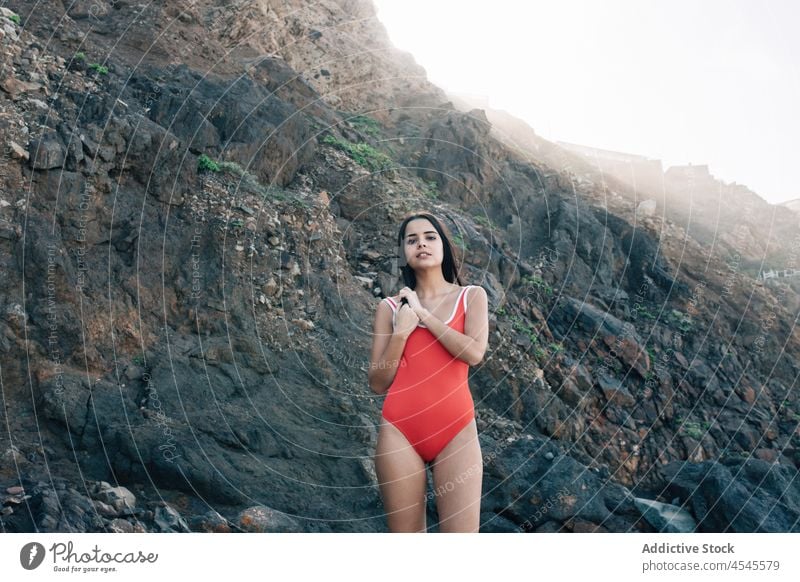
<point>457,482</point>
<point>402,478</point>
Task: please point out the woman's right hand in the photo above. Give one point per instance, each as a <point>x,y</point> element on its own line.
<point>405,321</point>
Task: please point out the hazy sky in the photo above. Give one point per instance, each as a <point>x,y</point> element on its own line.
<point>708,82</point>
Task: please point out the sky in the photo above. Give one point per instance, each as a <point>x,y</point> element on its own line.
<point>711,82</point>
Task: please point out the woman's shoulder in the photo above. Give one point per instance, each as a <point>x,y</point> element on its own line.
<point>458,289</point>
<point>471,290</point>
<point>475,289</point>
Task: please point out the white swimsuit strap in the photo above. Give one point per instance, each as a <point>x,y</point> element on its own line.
<point>393,307</point>
<point>465,296</point>
<point>462,296</point>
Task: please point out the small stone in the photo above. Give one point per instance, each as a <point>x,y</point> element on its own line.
<point>261,519</point>
<point>371,254</point>
<point>15,88</point>
<point>104,509</point>
<point>18,152</point>
<point>271,287</point>
<point>120,498</point>
<point>168,519</point>
<point>46,153</point>
<point>304,324</point>
<point>614,391</point>
<point>210,522</point>
<point>15,490</point>
<point>120,526</point>
<point>768,455</point>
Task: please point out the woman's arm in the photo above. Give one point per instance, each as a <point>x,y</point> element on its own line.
<point>469,346</point>
<point>387,348</point>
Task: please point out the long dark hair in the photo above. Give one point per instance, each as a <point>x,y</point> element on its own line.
<point>450,263</point>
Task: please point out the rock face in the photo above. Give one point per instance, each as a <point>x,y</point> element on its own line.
<point>192,257</point>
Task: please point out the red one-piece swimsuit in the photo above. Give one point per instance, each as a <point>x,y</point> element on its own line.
<point>429,400</point>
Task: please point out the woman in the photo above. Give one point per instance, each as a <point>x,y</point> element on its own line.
<point>424,341</point>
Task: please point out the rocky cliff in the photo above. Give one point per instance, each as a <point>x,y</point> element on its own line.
<point>197,220</point>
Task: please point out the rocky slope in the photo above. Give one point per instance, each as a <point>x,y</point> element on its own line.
<point>199,201</point>
<point>792,205</point>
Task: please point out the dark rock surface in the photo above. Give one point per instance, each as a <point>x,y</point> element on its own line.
<point>751,496</point>
<point>199,335</point>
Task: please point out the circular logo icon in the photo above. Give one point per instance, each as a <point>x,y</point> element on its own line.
<point>31,555</point>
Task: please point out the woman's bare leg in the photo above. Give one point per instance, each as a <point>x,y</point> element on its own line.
<point>402,478</point>
<point>457,480</point>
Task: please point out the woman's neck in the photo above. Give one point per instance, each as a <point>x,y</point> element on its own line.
<point>431,284</point>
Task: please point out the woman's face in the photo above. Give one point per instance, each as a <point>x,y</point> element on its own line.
<point>422,244</point>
